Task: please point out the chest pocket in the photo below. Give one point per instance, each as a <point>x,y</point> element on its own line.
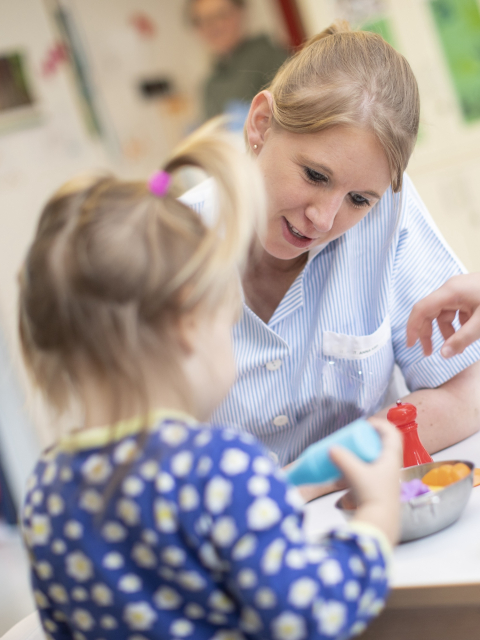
<point>354,371</point>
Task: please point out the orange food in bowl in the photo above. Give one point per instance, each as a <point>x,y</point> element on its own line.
<point>461,469</point>
<point>445,474</point>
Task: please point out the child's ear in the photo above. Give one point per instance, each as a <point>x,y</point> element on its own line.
<point>188,333</point>
<point>259,120</point>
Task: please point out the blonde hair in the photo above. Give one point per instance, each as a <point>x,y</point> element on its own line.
<point>352,78</point>
<point>112,267</point>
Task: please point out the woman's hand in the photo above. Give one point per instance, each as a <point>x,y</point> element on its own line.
<point>460,293</point>
<point>376,485</point>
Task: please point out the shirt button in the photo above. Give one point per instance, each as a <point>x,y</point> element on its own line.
<point>280,421</point>
<point>274,365</point>
<point>273,456</point>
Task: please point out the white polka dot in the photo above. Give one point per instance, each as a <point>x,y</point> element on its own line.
<point>258,486</point>
<point>194,611</point>
<point>234,462</point>
<point>262,465</point>
<point>265,598</point>
<point>188,498</point>
<point>203,438</point>
<point>218,494</point>
<point>204,465</point>
<point>263,513</point>
<point>352,590</point>
<point>330,572</point>
<point>174,556</point>
<point>247,579</point>
<point>130,583</point>
<point>181,628</point>
<point>96,469</point>
<point>113,560</point>
<point>164,482</point>
<point>73,530</point>
<point>224,531</point>
<point>133,486</point>
<point>181,464</point>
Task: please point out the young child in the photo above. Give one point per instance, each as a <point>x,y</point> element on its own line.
<point>146,522</point>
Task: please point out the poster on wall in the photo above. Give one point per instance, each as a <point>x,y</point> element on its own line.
<point>81,73</point>
<point>458,26</point>
<point>18,108</point>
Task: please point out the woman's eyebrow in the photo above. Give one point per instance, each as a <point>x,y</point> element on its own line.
<point>316,166</point>
<point>374,194</point>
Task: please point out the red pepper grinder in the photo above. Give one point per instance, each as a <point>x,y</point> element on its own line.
<point>403,417</point>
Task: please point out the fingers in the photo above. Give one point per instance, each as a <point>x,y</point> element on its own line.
<point>445,323</point>
<point>391,440</point>
<point>419,323</point>
<point>352,466</point>
<point>349,464</point>
<point>465,336</point>
<point>459,294</point>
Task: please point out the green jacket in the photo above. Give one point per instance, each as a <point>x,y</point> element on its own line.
<point>241,75</point>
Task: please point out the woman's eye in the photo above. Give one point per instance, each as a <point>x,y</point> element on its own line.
<point>314,176</point>
<point>359,201</point>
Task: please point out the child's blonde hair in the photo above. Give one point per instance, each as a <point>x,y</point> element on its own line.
<point>112,268</point>
<point>353,78</point>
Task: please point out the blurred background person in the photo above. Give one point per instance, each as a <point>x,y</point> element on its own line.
<point>242,65</point>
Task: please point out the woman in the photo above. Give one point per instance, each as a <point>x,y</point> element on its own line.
<point>349,249</point>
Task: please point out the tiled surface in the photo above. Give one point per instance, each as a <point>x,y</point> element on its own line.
<point>16,600</point>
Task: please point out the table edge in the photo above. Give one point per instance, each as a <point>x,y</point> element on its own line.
<point>434,596</point>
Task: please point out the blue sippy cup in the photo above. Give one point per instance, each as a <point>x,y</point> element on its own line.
<point>314,465</point>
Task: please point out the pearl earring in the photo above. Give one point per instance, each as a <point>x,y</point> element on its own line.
<point>255,147</point>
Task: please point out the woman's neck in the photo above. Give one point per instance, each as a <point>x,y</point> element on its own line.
<point>267,279</point>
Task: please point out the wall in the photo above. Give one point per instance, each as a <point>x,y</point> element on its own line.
<point>446,163</point>
<point>141,131</point>
<point>33,162</point>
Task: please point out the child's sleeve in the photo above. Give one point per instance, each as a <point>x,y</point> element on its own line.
<point>52,619</point>
<point>285,586</point>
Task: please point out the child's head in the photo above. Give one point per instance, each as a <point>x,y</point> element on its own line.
<point>120,283</point>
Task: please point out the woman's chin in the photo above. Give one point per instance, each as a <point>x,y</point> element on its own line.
<point>284,251</point>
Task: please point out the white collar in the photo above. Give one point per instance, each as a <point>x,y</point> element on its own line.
<point>315,251</point>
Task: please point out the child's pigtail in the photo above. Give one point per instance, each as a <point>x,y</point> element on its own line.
<point>240,207</point>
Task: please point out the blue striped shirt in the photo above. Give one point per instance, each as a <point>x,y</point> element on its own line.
<point>326,356</point>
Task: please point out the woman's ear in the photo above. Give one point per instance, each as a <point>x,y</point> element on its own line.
<point>259,120</point>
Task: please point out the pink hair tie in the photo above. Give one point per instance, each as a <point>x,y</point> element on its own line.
<point>159,183</point>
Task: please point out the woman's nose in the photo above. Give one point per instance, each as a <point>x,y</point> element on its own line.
<point>322,214</point>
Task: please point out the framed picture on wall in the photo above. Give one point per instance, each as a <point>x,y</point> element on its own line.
<point>18,107</point>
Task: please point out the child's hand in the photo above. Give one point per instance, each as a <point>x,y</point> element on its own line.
<point>376,485</point>
<point>460,293</point>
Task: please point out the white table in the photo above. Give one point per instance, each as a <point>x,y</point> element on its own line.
<point>439,570</point>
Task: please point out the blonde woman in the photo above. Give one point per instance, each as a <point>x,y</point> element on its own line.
<point>349,249</point>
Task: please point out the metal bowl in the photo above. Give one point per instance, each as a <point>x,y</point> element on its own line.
<point>430,512</point>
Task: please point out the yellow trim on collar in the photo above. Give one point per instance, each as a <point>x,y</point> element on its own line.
<point>97,437</point>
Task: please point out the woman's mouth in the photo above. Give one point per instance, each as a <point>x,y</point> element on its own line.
<point>293,235</point>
